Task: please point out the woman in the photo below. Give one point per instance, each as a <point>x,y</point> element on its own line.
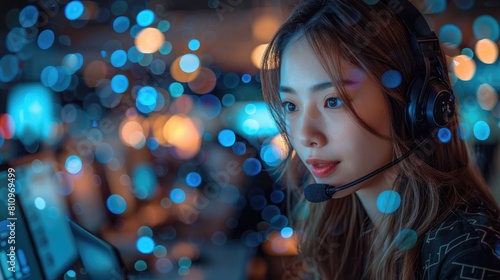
<point>339,79</point>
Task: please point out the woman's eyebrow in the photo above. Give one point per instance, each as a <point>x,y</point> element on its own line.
<point>314,88</point>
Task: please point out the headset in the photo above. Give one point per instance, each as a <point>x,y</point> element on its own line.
<point>431,102</point>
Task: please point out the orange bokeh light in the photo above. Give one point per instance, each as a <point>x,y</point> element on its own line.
<point>204,82</point>
<point>181,76</point>
<point>464,67</point>
<point>181,132</point>
<point>257,54</point>
<point>486,97</point>
<point>134,131</point>
<point>149,40</point>
<point>182,105</point>
<point>94,73</point>
<point>487,51</point>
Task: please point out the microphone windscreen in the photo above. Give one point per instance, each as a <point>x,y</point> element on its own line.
<point>317,192</point>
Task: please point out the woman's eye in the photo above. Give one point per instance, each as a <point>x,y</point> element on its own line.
<point>289,106</point>
<point>333,102</point>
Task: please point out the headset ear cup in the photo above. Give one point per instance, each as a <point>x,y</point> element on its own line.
<point>413,116</point>
<point>440,107</point>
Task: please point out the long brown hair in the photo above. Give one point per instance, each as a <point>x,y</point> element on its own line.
<point>337,239</point>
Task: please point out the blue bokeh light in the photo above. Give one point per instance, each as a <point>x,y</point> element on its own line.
<point>464,131</point>
<point>193,179</point>
<point>165,48</point>
<point>271,155</point>
<point>406,239</point>
<point>146,99</point>
<point>118,58</point>
<point>231,80</point>
<point>144,181</point>
<point>134,55</point>
<point>145,244</point>
<point>209,106</point>
<point>464,4</point>
<point>71,274</point>
<point>184,261</point>
<point>145,17</point>
<point>468,52</point>
<point>153,143</point>
<point>119,83</point>
<point>134,30</point>
<point>392,79</point>
<point>228,100</point>
<point>486,26</point>
<point>444,135</point>
<point>31,107</point>
<point>140,265</point>
<point>177,195</point>
<point>450,34</point>
<point>176,89</point>
<point>158,66</point>
<point>74,10</point>
<point>250,108</point>
<point>16,39</point>
<point>277,196</point>
<point>28,16</point>
<point>73,61</point>
<point>116,204</point>
<point>481,130</point>
<point>246,78</point>
<point>229,194</point>
<point>121,24</point>
<point>145,231</point>
<point>279,222</point>
<point>163,25</point>
<point>239,148</point>
<point>40,203</point>
<point>189,63</point>
<point>104,152</point>
<point>286,232</point>
<point>194,45</point>
<point>73,164</point>
<point>9,68</point>
<point>160,251</point>
<point>252,166</point>
<point>270,212</point>
<point>164,265</point>
<point>250,126</point>
<point>46,39</point>
<point>388,201</point>
<point>226,137</point>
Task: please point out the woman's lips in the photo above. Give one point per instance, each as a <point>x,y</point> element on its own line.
<point>322,170</point>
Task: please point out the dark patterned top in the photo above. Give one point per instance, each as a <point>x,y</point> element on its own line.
<point>466,245</point>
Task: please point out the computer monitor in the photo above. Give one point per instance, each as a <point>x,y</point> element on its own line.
<point>44,241</point>
<point>47,243</point>
<point>101,259</point>
<point>18,260</point>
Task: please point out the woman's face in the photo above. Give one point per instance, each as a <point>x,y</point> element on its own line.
<point>334,147</point>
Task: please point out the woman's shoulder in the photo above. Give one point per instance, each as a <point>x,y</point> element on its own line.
<point>465,245</point>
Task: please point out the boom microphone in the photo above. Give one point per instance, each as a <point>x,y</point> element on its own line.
<point>323,192</point>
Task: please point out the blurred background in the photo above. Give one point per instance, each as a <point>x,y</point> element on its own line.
<point>143,123</point>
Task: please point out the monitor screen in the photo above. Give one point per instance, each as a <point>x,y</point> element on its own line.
<point>43,222</point>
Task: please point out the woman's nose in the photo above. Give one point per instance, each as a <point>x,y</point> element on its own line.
<point>312,129</point>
